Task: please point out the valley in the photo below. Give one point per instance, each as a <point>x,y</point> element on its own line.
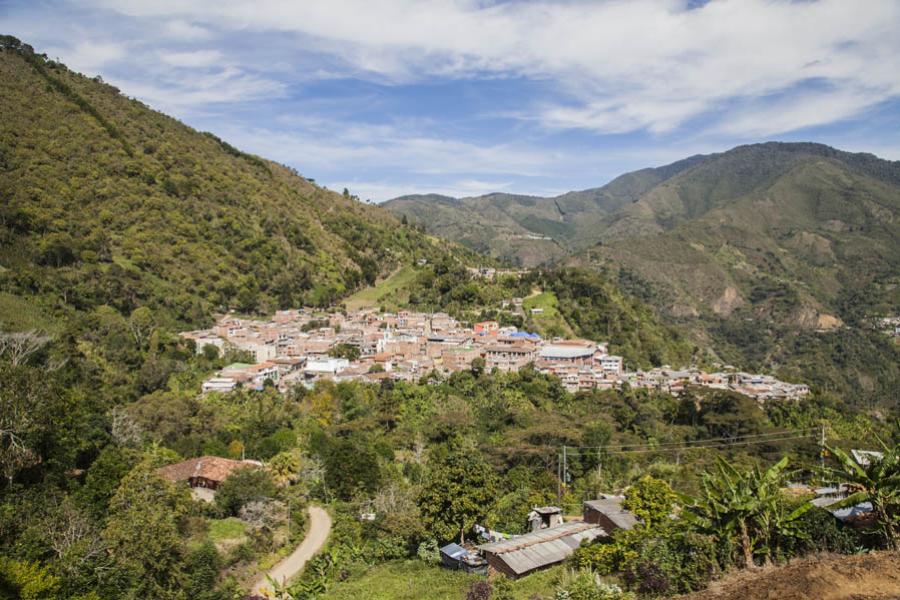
<point>666,385</point>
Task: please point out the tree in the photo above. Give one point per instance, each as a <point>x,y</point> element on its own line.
<point>141,324</point>
<point>242,486</point>
<point>203,566</point>
<point>460,490</point>
<point>348,351</point>
<point>17,347</point>
<point>31,581</point>
<point>877,482</point>
<point>104,476</point>
<point>25,406</point>
<point>285,467</point>
<point>351,466</point>
<point>651,500</point>
<point>477,366</point>
<point>143,533</point>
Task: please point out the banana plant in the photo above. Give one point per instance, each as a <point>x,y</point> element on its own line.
<point>877,482</point>
<point>748,506</point>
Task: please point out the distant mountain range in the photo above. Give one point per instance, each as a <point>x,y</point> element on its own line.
<point>777,226</point>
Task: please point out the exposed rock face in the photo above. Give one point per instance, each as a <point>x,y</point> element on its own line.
<point>828,322</point>
<point>728,302</point>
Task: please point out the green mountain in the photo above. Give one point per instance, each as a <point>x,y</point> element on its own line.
<point>107,202</point>
<point>531,230</point>
<point>728,231</point>
<point>109,207</point>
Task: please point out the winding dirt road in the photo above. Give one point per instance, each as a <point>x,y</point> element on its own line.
<point>319,528</point>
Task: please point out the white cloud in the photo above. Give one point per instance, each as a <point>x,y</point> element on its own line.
<point>89,57</point>
<point>806,109</point>
<point>625,65</point>
<point>184,92</point>
<point>323,145</point>
<point>193,59</point>
<point>182,30</point>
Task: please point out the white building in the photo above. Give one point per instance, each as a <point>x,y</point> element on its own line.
<point>325,366</point>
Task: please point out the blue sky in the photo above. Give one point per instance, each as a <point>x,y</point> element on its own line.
<point>464,97</point>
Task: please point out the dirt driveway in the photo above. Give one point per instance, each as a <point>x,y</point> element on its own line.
<point>319,528</point>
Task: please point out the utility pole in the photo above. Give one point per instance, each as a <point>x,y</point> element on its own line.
<point>558,479</point>
<point>822,445</point>
<point>599,468</point>
<point>565,469</point>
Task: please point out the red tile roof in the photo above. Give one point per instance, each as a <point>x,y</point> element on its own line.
<point>213,468</point>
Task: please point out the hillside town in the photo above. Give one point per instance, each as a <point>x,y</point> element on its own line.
<point>301,346</point>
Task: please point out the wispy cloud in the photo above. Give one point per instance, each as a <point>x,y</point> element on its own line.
<point>641,64</point>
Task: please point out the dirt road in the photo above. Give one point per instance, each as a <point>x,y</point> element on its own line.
<point>319,528</point>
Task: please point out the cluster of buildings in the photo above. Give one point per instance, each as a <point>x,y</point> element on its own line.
<point>550,540</point>
<point>300,347</point>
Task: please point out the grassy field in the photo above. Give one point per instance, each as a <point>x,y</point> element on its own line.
<point>549,322</point>
<point>389,292</point>
<point>412,580</point>
<point>225,529</point>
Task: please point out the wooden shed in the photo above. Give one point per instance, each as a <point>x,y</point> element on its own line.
<point>608,513</point>
<point>527,553</point>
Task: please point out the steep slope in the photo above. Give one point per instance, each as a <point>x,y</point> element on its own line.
<point>106,202</point>
<point>532,230</point>
<point>803,217</point>
<point>773,256</point>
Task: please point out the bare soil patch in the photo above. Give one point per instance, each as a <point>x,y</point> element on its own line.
<point>874,576</point>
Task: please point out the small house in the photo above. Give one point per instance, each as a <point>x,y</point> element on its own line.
<point>519,556</point>
<point>205,472</point>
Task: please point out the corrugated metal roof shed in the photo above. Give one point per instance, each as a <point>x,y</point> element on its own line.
<point>542,548</point>
<point>612,509</point>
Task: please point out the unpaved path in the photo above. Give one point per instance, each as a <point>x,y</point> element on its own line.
<point>319,528</point>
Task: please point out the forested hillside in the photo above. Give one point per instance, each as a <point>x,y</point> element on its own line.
<point>106,202</point>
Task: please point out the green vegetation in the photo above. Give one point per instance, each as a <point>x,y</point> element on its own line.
<point>413,579</point>
<point>548,322</point>
<point>120,227</point>
<point>230,528</point>
<point>106,202</point>
<point>390,292</point>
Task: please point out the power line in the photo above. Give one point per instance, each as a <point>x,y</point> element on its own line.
<point>715,445</point>
<point>804,431</point>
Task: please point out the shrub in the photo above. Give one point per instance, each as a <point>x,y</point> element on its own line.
<point>243,486</point>
<point>479,590</point>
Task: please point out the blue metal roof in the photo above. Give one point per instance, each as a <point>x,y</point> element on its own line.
<point>454,551</point>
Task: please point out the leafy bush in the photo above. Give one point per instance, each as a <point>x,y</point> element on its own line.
<point>244,486</point>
